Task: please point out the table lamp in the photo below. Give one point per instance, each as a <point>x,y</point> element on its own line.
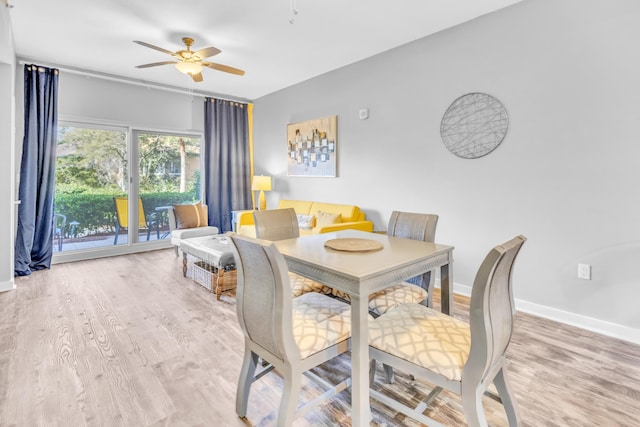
<point>262,184</point>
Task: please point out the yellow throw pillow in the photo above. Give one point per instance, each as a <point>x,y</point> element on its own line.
<point>327,218</point>
<point>192,215</point>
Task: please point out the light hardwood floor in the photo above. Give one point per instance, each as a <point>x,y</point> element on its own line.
<point>127,341</point>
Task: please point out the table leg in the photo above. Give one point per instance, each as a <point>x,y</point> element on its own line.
<point>184,263</point>
<point>446,290</point>
<point>360,409</point>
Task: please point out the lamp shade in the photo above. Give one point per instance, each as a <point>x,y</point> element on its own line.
<point>189,67</point>
<point>261,183</point>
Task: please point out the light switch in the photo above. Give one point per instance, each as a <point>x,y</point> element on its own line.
<point>584,271</point>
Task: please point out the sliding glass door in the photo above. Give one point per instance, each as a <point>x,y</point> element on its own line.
<point>168,173</point>
<point>91,169</point>
<point>100,169</point>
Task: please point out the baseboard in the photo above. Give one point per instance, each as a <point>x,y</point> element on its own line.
<point>584,322</point>
<point>7,286</point>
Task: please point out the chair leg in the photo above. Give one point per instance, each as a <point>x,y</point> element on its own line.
<point>289,402</point>
<point>148,233</point>
<point>115,238</point>
<point>177,252</point>
<point>372,372</point>
<point>244,383</point>
<point>472,405</point>
<point>506,395</point>
<point>388,373</point>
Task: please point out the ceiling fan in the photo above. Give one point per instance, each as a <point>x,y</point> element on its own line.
<point>190,62</point>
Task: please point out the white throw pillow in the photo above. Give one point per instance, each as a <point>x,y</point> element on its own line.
<point>306,222</point>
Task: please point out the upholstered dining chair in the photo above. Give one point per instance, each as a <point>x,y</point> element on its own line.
<point>144,221</point>
<point>416,226</point>
<point>463,358</point>
<point>280,224</point>
<point>293,335</point>
<point>188,220</point>
<point>276,224</point>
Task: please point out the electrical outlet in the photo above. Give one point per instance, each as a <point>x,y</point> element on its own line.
<point>584,271</point>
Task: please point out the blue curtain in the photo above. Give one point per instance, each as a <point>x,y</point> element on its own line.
<point>227,171</point>
<point>34,243</point>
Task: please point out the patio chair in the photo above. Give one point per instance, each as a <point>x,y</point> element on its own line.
<point>59,224</point>
<point>144,221</point>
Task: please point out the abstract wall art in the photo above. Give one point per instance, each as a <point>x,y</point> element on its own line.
<point>311,147</point>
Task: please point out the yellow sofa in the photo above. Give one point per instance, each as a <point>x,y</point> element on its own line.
<point>350,217</point>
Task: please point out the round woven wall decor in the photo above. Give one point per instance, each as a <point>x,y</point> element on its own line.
<point>474,125</point>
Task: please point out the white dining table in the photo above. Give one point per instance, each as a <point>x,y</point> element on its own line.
<point>361,273</point>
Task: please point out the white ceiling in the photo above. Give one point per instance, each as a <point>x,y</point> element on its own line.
<point>254,35</point>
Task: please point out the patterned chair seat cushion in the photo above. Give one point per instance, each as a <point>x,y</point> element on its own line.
<point>336,293</point>
<point>391,297</point>
<point>301,285</point>
<point>382,301</point>
<point>319,322</point>
<point>425,337</point>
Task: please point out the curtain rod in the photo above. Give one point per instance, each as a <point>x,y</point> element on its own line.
<point>129,80</point>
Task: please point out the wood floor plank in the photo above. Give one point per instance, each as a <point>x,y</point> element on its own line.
<point>128,340</point>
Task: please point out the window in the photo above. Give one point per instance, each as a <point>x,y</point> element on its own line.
<point>93,167</point>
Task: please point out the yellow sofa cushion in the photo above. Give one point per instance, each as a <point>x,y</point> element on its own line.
<point>300,206</point>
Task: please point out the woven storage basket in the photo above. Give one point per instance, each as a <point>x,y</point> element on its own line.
<point>205,274</point>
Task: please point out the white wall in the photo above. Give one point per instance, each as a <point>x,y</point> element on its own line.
<point>98,100</point>
<point>7,135</point>
<point>566,175</point>
<point>123,103</point>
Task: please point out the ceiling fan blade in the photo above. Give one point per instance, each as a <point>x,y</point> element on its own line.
<point>224,68</point>
<point>197,77</point>
<point>155,64</point>
<point>168,52</point>
<point>207,52</point>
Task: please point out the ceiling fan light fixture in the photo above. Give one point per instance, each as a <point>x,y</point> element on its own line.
<point>190,68</point>
<point>187,61</point>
